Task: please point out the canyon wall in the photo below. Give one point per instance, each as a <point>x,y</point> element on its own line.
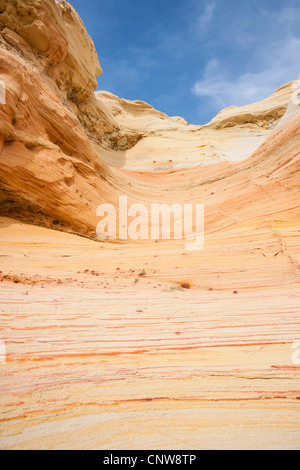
<point>66,149</point>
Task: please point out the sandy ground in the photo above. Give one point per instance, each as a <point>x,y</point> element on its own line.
<point>99,356</point>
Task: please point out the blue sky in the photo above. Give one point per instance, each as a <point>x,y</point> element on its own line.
<point>192,58</point>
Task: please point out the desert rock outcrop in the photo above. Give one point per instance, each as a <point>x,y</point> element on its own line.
<point>140,344</point>
<point>64,148</point>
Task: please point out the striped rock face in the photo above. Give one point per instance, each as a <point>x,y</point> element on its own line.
<point>140,344</point>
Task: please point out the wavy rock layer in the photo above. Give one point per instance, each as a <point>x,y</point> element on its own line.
<point>58,139</point>
<point>192,349</point>
<point>95,352</point>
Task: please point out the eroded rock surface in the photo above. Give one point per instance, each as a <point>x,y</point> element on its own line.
<point>140,344</point>
<point>64,148</point>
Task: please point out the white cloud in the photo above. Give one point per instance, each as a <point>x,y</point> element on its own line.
<point>272,59</point>
<point>280,65</point>
<point>287,17</point>
<point>206,17</point>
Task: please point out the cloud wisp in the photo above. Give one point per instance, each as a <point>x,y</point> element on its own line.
<point>227,90</point>
<point>265,69</point>
<point>206,17</point>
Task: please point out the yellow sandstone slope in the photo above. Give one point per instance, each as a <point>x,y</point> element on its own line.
<point>141,345</point>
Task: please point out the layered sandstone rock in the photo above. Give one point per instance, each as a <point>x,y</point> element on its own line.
<point>62,145</point>
<point>141,344</point>
<point>171,144</point>
<point>97,360</point>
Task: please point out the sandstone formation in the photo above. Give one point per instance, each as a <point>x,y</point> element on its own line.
<point>62,144</point>
<point>192,349</point>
